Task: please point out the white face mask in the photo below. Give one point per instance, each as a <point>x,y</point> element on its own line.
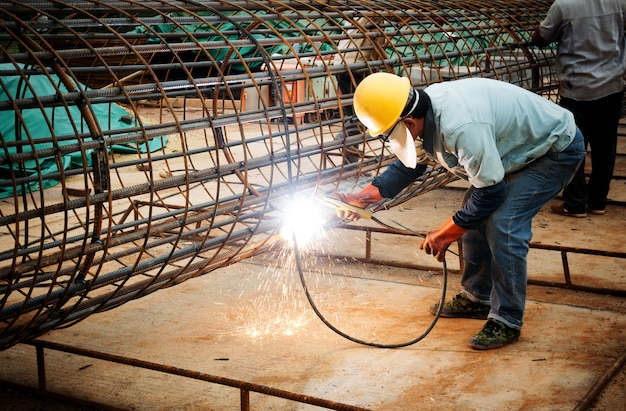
<point>405,148</point>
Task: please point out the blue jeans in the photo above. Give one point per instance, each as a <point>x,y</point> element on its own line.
<point>495,253</point>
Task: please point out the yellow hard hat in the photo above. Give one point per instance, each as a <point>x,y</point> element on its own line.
<point>379,100</point>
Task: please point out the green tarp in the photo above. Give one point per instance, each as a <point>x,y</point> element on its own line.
<point>40,124</point>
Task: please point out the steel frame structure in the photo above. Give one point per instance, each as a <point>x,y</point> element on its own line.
<point>228,110</point>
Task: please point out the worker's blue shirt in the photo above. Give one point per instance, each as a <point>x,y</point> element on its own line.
<point>482,130</point>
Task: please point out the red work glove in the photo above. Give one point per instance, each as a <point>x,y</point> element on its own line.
<point>438,241</point>
<point>368,195</point>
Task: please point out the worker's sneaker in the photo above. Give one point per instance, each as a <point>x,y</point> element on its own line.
<point>596,211</point>
<point>461,307</point>
<point>561,210</point>
<point>494,335</point>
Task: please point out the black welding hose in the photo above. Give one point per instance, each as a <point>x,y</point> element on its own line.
<point>356,340</point>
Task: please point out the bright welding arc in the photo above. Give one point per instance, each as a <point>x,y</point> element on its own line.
<point>303,221</point>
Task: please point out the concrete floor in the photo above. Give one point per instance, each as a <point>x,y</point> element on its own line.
<point>252,322</point>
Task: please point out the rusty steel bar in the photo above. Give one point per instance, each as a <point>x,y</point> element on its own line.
<point>586,403</point>
<point>563,250</point>
<point>244,387</point>
<point>146,142</point>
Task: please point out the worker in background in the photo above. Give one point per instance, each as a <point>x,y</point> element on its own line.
<point>517,149</point>
<point>590,67</point>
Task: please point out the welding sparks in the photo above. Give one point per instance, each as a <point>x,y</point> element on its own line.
<point>277,307</point>
<point>304,221</point>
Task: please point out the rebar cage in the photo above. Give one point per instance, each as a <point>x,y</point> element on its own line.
<point>148,142</point>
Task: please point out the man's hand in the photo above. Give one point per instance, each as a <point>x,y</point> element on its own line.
<point>537,40</point>
<point>438,241</point>
<point>368,195</point>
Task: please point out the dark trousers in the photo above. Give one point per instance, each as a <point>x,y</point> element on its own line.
<point>598,121</point>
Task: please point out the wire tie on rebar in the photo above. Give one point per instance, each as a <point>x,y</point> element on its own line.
<point>81,281</point>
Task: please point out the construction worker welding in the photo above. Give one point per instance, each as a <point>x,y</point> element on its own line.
<point>516,149</point>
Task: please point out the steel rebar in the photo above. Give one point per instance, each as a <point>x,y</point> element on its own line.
<point>146,142</point>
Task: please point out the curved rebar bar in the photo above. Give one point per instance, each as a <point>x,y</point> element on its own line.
<point>147,142</point>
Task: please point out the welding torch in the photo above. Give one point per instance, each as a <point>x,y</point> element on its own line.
<point>341,206</point>
<point>369,215</point>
